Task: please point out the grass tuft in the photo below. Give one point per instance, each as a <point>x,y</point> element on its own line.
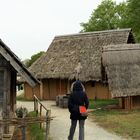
<point>34,129</point>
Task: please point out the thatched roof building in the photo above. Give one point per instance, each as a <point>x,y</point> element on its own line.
<point>66,53</point>
<point>122,64</point>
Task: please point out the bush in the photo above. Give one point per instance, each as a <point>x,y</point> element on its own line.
<point>21,112</point>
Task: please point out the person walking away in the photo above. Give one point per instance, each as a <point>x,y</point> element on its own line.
<point>77,98</point>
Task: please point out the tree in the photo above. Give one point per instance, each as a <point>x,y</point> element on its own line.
<point>122,10</point>
<point>134,16</point>
<point>108,15</point>
<point>34,58</point>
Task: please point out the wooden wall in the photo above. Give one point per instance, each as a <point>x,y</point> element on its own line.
<point>130,102</point>
<point>97,90</point>
<point>50,88</point>
<point>7,91</point>
<point>54,87</point>
<point>29,91</point>
<point>46,92</point>
<point>136,102</point>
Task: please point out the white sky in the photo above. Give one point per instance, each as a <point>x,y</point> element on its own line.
<point>29,26</point>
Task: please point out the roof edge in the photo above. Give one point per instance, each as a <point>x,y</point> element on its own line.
<point>16,63</point>
<point>91,33</point>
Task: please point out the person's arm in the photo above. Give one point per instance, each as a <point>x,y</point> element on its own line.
<point>72,106</point>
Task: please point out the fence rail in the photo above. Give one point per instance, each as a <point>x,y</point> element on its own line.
<point>22,123</point>
<point>36,101</point>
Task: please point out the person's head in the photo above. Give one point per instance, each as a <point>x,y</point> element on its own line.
<point>77,86</point>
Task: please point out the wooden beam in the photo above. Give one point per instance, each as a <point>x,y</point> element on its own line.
<point>41,89</point>
<point>6,104</point>
<point>17,67</point>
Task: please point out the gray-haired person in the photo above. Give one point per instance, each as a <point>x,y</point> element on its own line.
<point>77,98</point>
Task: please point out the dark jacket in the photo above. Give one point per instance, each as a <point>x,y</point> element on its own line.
<point>77,98</point>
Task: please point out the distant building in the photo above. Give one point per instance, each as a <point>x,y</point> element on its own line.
<point>122,66</point>
<point>56,69</point>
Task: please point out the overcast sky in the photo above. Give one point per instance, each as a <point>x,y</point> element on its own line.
<point>29,26</point>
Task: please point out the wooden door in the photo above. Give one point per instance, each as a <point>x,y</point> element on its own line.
<point>52,89</point>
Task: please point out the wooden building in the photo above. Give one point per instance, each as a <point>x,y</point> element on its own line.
<point>122,65</point>
<point>9,66</point>
<point>56,69</point>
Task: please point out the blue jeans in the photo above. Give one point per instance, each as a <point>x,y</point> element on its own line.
<point>73,127</point>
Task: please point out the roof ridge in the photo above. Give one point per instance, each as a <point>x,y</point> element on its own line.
<point>91,33</point>
<point>121,47</point>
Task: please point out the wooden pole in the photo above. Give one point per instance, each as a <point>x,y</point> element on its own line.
<point>47,125</point>
<point>0,132</point>
<point>41,89</point>
<point>36,108</point>
<point>40,115</point>
<point>23,133</point>
<point>34,104</point>
<point>6,109</point>
<point>48,114</point>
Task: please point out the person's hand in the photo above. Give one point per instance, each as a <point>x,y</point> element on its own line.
<point>84,114</point>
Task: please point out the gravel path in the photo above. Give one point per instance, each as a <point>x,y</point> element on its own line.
<point>60,124</point>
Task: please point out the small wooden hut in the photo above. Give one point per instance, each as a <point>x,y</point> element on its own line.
<point>56,69</point>
<point>122,65</point>
<point>9,66</point>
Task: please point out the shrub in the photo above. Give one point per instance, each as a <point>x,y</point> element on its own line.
<point>21,112</point>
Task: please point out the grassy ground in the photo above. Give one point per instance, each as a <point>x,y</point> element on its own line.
<point>94,104</point>
<point>122,122</point>
<point>34,130</point>
<point>21,98</point>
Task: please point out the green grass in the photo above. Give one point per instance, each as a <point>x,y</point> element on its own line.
<point>122,122</point>
<point>22,98</point>
<point>34,129</point>
<point>102,103</point>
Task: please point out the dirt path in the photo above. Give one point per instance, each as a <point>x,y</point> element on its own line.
<point>60,124</point>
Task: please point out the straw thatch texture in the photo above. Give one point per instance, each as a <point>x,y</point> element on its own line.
<point>122,64</point>
<point>66,53</point>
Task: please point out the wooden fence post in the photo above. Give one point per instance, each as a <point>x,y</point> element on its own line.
<point>23,133</point>
<point>34,104</point>
<point>0,132</point>
<point>40,115</point>
<point>48,113</point>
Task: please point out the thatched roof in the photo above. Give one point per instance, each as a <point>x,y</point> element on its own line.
<point>67,52</point>
<point>14,61</point>
<point>122,64</point>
